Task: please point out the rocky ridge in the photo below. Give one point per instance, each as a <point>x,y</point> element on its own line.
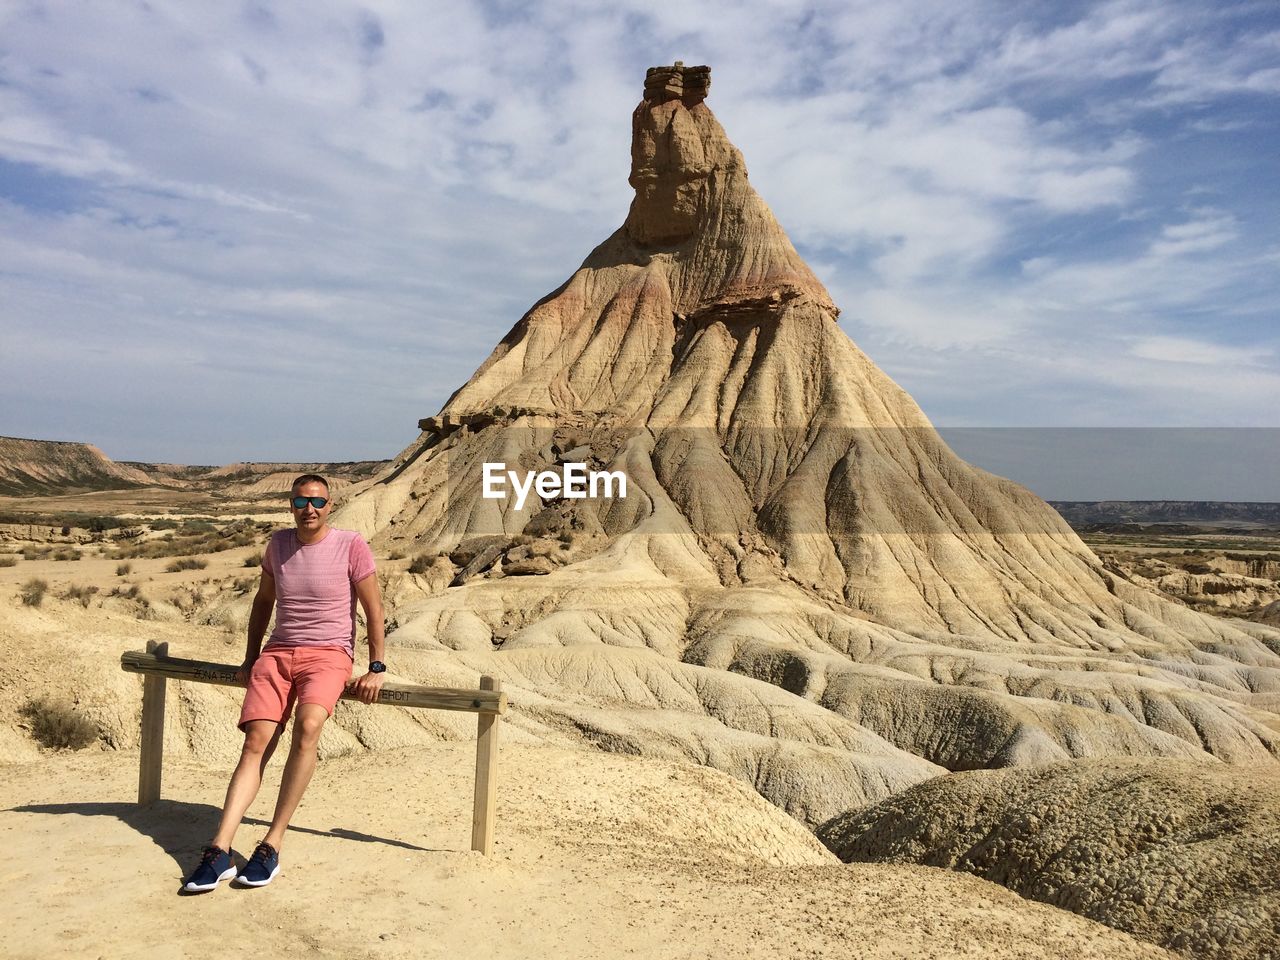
<point>55,466</point>
<point>1180,855</point>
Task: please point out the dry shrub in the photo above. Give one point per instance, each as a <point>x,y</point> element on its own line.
<point>8,560</point>
<point>81,593</point>
<point>66,553</point>
<point>187,563</point>
<point>57,724</point>
<point>195,537</point>
<point>33,591</point>
<point>253,560</point>
<point>422,562</point>
<point>123,568</point>
<point>142,609</point>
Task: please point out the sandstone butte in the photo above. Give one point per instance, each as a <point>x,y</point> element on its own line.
<point>807,589</point>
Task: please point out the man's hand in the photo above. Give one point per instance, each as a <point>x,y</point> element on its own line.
<point>367,687</point>
<point>243,671</point>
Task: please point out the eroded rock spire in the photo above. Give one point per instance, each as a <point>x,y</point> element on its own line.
<point>791,516</point>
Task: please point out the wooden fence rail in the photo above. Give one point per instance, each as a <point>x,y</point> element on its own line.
<point>489,703</point>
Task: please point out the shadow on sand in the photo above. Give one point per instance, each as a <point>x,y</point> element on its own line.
<point>181,829</point>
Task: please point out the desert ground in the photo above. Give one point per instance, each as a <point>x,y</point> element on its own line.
<point>597,854</point>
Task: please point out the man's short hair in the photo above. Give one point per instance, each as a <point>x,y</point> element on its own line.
<point>309,478</point>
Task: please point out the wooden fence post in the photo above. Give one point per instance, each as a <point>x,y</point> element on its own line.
<point>483,813</point>
<point>488,703</point>
<point>153,688</point>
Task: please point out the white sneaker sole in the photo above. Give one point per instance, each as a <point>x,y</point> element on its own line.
<point>226,874</point>
<point>258,883</point>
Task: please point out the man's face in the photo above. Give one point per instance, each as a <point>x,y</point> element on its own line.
<point>310,517</point>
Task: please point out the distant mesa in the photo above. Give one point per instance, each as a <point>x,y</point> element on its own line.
<point>30,467</point>
<point>53,467</point>
<point>1099,514</point>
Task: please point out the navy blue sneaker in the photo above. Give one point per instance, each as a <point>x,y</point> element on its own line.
<point>262,866</point>
<point>215,866</point>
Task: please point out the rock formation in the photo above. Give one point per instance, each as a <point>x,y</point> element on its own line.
<point>54,466</point>
<point>1181,855</point>
<point>804,585</point>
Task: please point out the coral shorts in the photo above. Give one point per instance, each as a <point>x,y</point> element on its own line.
<point>283,676</point>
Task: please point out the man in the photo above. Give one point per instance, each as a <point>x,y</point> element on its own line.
<point>313,575</point>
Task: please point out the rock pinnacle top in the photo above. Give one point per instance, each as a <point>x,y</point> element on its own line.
<point>677,82</point>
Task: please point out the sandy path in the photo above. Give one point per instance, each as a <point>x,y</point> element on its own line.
<point>597,856</point>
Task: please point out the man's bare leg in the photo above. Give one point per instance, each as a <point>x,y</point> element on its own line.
<point>260,739</point>
<point>308,721</point>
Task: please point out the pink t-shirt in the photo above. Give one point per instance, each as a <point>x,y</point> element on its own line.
<point>316,588</point>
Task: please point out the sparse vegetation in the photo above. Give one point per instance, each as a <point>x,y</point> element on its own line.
<point>395,555</point>
<point>195,537</point>
<point>188,600</point>
<point>78,592</point>
<point>8,560</point>
<point>33,591</point>
<point>422,563</point>
<point>59,725</point>
<point>122,569</point>
<point>69,521</point>
<point>44,551</point>
<point>187,563</point>
<point>134,592</point>
<point>253,560</point>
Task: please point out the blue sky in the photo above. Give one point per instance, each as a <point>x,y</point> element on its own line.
<point>287,231</point>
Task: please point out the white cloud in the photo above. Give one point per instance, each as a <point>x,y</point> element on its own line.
<point>1166,274</point>
<point>938,320</point>
<point>978,185</point>
<point>1186,350</point>
<point>1206,230</point>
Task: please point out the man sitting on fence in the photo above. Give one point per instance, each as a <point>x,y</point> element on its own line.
<point>313,576</point>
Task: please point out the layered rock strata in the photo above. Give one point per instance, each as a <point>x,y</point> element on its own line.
<point>804,585</point>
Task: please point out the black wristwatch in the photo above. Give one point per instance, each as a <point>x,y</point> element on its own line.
<point>377,666</point>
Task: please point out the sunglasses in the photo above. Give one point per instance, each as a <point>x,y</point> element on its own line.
<point>300,503</point>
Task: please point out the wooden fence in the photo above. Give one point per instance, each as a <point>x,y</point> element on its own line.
<point>489,703</point>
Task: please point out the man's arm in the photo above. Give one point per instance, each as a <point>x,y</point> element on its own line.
<point>259,616</point>
<point>369,686</point>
